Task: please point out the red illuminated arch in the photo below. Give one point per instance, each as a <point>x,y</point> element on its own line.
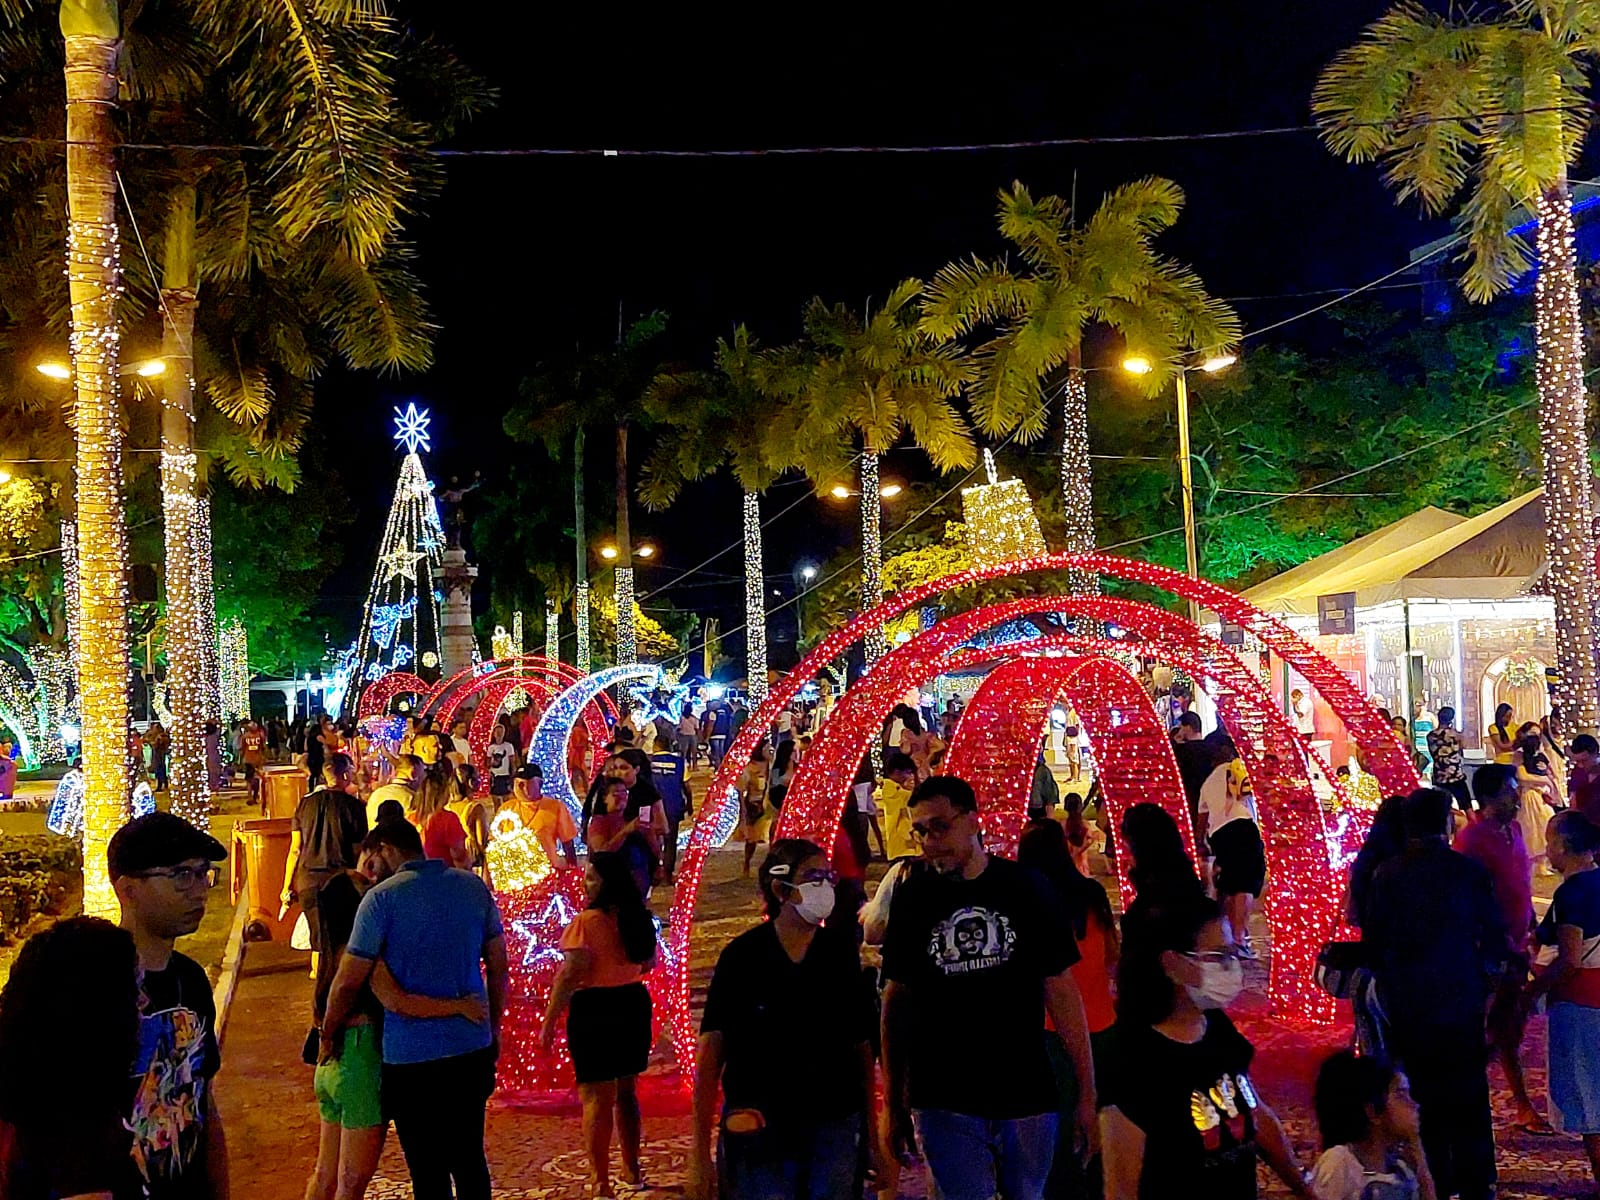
<point>1387,758</point>
<point>376,699</point>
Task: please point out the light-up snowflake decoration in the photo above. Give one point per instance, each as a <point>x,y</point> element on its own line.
<point>411,428</point>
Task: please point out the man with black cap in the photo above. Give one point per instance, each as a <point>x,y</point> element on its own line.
<point>160,866</point>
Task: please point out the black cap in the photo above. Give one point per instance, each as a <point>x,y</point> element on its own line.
<point>159,839</point>
<point>531,770</point>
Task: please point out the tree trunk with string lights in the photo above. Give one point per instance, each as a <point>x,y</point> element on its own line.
<point>191,794</point>
<point>1568,476</point>
<point>627,637</point>
<point>92,35</point>
<point>755,603</point>
<point>874,647</point>
<point>1077,475</point>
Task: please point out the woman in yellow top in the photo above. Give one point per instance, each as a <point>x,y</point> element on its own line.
<point>753,815</point>
<point>1502,739</point>
<point>608,949</point>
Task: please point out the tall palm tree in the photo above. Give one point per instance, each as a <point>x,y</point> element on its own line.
<point>92,32</point>
<point>1072,278</point>
<point>597,390</point>
<point>865,380</point>
<point>706,420</point>
<point>1495,103</point>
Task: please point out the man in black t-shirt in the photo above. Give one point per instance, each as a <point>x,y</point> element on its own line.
<point>160,866</point>
<point>976,952</point>
<point>1195,762</point>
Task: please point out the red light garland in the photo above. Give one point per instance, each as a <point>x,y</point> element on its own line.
<point>1387,758</point>
<point>375,700</point>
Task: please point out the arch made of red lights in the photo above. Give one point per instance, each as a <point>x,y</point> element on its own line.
<point>997,756</point>
<point>1386,758</point>
<point>451,695</point>
<point>376,698</point>
<point>540,692</point>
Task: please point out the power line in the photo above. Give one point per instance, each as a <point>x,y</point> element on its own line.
<point>1201,137</point>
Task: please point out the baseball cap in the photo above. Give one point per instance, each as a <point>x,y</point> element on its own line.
<point>159,839</point>
<point>530,770</point>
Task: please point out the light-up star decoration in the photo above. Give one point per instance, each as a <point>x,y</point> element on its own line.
<point>411,428</point>
<point>403,563</point>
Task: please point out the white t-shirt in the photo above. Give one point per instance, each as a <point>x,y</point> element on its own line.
<point>785,721</point>
<point>389,791</point>
<point>1339,1175</point>
<point>501,756</point>
<point>1222,801</point>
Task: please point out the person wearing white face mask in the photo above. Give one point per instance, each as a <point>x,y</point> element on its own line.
<point>785,1131</point>
<point>1181,1117</point>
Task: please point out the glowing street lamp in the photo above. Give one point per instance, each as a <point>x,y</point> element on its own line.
<point>148,368</point>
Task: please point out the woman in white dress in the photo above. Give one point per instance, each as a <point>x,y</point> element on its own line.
<point>1540,799</point>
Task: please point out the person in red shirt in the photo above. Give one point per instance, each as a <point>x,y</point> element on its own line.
<point>1495,840</point>
<point>1583,781</point>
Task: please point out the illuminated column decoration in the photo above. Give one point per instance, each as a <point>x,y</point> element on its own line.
<point>233,653</point>
<point>1001,523</point>
<point>1077,478</point>
<point>94,283</point>
<point>548,746</point>
<point>627,640</point>
<point>580,620</point>
<point>70,589</point>
<point>873,644</point>
<point>186,689</point>
<point>552,629</point>
<point>1568,477</point>
<point>205,601</point>
<point>755,607</point>
<point>401,624</point>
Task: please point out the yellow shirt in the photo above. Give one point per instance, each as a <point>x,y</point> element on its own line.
<point>897,838</point>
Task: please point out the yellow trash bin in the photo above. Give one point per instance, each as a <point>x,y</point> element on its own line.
<point>260,852</point>
<point>282,788</point>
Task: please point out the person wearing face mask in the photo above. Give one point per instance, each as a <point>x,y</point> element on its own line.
<point>1436,940</point>
<point>785,1133</point>
<point>1181,1116</point>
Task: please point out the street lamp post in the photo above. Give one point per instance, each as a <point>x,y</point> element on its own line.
<point>1211,364</point>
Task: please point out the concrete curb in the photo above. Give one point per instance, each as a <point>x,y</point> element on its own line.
<point>232,961</point>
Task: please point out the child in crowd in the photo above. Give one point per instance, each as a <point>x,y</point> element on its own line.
<point>1371,1133</point>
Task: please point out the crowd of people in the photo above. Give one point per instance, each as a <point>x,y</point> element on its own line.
<point>1015,1036</point>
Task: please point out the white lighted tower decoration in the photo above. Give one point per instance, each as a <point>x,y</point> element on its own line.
<point>233,656</point>
<point>627,637</point>
<point>1564,440</point>
<point>871,553</point>
<point>755,600</point>
<point>580,618</point>
<point>400,626</point>
<point>552,629</point>
<point>205,601</point>
<point>1077,480</point>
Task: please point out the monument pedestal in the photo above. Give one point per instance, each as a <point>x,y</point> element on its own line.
<point>454,576</point>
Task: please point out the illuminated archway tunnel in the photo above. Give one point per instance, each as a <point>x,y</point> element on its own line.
<point>1387,759</point>
<point>548,746</point>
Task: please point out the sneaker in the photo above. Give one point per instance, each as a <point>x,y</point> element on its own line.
<point>1245,949</point>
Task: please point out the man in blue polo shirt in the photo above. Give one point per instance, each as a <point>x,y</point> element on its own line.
<point>667,773</point>
<point>438,931</point>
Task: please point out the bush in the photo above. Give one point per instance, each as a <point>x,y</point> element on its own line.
<point>36,874</point>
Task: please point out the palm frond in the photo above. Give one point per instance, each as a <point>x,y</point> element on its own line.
<point>1037,228</point>
<point>962,296</point>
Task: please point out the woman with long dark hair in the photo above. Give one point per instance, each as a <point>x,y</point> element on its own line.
<point>794,1132</point>
<point>69,1033</point>
<point>608,948</point>
<point>784,765</point>
<point>1180,1108</point>
<point>1502,740</point>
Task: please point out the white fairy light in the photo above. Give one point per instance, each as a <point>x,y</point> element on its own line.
<point>755,614</point>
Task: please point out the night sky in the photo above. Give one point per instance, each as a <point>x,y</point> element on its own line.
<point>526,257</point>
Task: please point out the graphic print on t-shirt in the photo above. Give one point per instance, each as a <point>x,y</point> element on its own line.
<point>1224,1109</point>
<point>971,939</point>
<point>169,1099</point>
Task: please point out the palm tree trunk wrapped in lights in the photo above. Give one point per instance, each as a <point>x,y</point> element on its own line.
<point>179,500</point>
<point>627,636</point>
<point>92,36</point>
<point>205,610</point>
<point>873,646</point>
<point>1077,477</point>
<point>755,603</point>
<point>1564,439</point>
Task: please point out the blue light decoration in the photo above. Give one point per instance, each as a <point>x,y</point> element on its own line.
<point>411,428</point>
<point>386,620</point>
<point>548,747</point>
<point>402,656</point>
<point>66,808</point>
<point>338,681</point>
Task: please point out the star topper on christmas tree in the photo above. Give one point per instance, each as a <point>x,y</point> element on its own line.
<point>411,428</point>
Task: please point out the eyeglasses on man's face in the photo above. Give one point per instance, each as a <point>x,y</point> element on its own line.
<point>186,877</point>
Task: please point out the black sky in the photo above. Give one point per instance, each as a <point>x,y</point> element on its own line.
<point>525,257</point>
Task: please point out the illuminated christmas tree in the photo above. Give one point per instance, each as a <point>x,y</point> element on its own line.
<point>400,627</point>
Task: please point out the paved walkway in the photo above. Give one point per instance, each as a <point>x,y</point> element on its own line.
<point>265,1092</point>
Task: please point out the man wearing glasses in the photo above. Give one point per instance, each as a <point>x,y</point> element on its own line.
<point>161,868</point>
<point>978,937</point>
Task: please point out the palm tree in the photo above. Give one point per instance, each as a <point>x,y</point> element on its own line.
<point>705,420</point>
<point>867,379</point>
<point>92,33</point>
<point>1106,272</point>
<point>1496,104</point>
<point>602,390</point>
